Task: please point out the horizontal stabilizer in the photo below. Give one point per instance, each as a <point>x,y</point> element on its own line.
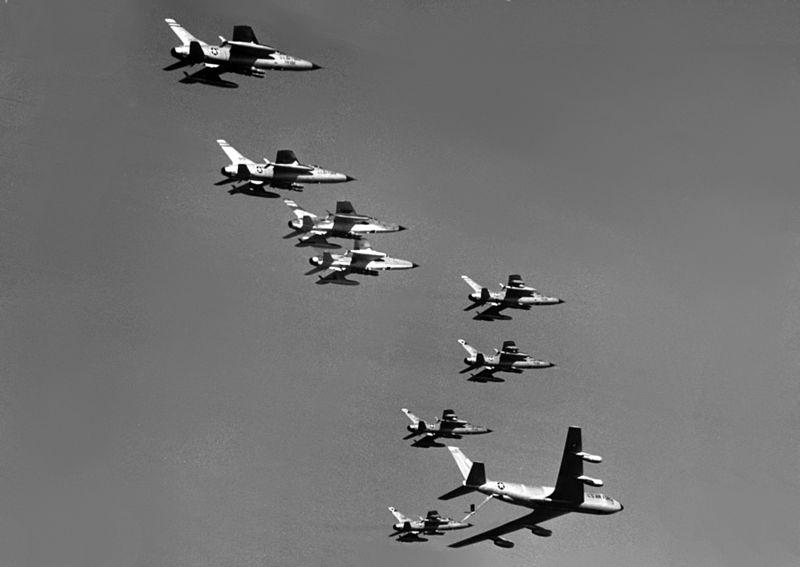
<point>456,492</point>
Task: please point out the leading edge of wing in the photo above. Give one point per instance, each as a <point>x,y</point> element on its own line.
<point>531,519</point>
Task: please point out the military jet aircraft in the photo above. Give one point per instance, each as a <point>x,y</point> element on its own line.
<point>515,294</point>
<point>363,260</point>
<point>344,223</point>
<point>432,524</point>
<point>243,55</point>
<point>286,172</point>
<point>507,359</point>
<point>447,426</point>
<point>547,502</point>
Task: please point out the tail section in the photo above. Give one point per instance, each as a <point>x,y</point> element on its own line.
<point>414,419</point>
<point>233,155</point>
<point>471,350</point>
<point>400,517</point>
<point>327,259</point>
<point>298,212</point>
<point>185,37</point>
<point>474,475</point>
<point>464,464</point>
<point>471,283</point>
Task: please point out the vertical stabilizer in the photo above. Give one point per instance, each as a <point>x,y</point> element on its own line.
<point>185,37</point>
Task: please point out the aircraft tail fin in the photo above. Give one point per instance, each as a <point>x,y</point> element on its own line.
<point>414,419</point>
<point>298,212</point>
<point>233,155</point>
<point>474,474</point>
<point>185,37</point>
<point>471,283</point>
<point>464,464</point>
<point>470,349</point>
<point>397,514</point>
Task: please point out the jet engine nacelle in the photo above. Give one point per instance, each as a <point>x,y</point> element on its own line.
<point>418,427</point>
<point>502,542</point>
<point>590,481</point>
<point>589,458</point>
<point>540,531</point>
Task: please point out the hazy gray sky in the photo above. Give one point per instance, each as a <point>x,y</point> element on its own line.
<point>175,392</point>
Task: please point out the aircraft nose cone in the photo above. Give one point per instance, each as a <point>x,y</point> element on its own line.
<point>401,228</point>
<point>621,507</point>
<point>414,265</point>
<point>560,301</point>
<point>314,67</point>
<point>350,178</point>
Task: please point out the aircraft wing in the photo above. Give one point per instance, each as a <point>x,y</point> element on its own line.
<point>342,224</point>
<point>291,168</point>
<point>491,312</point>
<point>568,486</point>
<point>360,259</point>
<point>527,521</point>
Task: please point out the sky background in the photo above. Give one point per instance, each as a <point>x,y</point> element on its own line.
<point>174,392</point>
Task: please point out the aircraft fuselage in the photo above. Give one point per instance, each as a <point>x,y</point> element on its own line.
<point>448,430</point>
<point>267,172</point>
<point>357,230</point>
<point>537,497</point>
<point>501,362</point>
<point>524,302</point>
<point>248,59</point>
<point>371,268</point>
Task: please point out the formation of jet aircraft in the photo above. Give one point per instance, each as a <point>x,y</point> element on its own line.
<point>362,260</point>
<point>432,524</point>
<point>344,223</point>
<point>449,426</point>
<point>547,502</point>
<point>243,55</point>
<point>506,359</point>
<point>286,172</point>
<point>514,295</point>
